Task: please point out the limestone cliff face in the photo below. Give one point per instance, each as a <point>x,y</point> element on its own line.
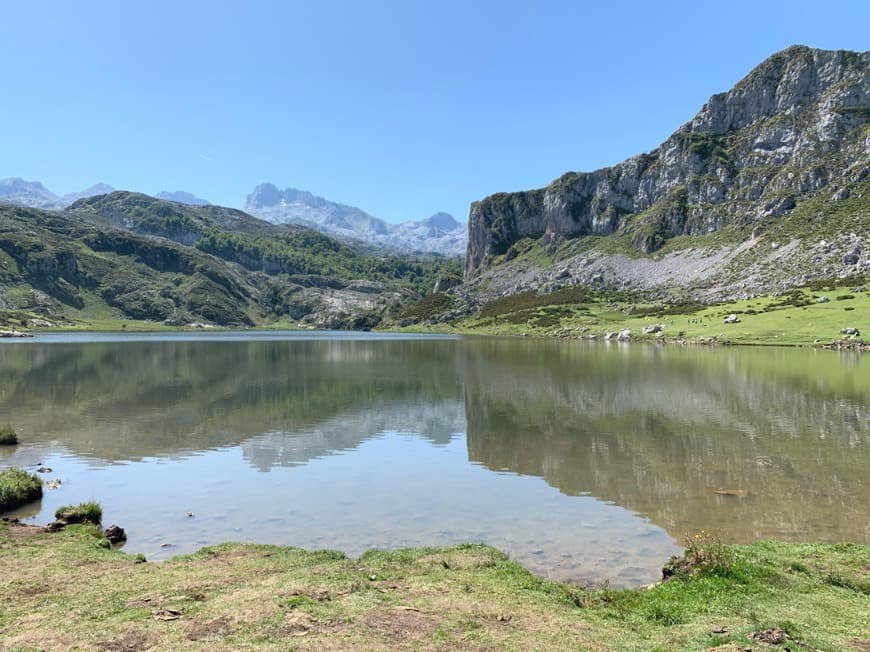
<point>797,123</point>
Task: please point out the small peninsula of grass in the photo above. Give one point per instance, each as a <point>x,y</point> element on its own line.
<point>17,488</point>
<point>90,512</point>
<point>465,597</point>
<point>8,437</point>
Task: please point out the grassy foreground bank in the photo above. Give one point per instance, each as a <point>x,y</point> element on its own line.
<point>66,590</point>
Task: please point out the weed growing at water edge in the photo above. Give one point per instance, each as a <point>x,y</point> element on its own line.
<point>705,553</point>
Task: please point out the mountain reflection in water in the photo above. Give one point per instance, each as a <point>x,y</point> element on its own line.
<point>633,438</point>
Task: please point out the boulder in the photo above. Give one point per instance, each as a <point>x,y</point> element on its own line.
<point>732,319</point>
<point>115,534</point>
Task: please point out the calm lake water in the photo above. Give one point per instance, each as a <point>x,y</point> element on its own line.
<point>583,461</point>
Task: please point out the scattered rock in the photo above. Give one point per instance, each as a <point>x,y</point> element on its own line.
<point>731,492</point>
<point>852,257</point>
<point>624,335</point>
<point>53,484</point>
<point>850,331</point>
<point>732,319</point>
<point>822,299</point>
<point>14,334</point>
<point>771,636</point>
<point>115,534</point>
<point>39,323</point>
<point>653,328</point>
<point>44,469</point>
<point>166,614</point>
<point>721,629</point>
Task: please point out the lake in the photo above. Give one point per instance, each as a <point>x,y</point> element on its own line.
<point>584,461</point>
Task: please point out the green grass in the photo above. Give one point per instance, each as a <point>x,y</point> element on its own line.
<point>463,597</point>
<point>8,437</point>
<point>17,488</point>
<point>429,306</point>
<point>89,512</point>
<point>795,318</point>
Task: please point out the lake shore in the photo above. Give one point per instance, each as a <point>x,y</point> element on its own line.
<point>821,317</point>
<point>69,589</point>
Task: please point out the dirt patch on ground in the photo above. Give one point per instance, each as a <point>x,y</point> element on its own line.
<point>17,532</point>
<point>44,639</point>
<point>131,639</point>
<point>201,630</point>
<point>401,624</point>
<point>862,644</point>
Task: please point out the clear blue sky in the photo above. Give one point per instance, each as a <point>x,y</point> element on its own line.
<point>402,108</point>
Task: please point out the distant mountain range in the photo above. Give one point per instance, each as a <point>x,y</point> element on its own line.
<point>440,233</point>
<point>21,192</point>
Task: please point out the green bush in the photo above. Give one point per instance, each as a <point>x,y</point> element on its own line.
<point>82,513</point>
<point>17,488</point>
<point>8,437</point>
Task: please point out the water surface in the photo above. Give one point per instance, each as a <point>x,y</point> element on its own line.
<point>583,461</point>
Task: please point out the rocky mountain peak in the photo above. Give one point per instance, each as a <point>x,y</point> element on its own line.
<point>793,125</point>
<point>438,234</point>
<point>264,195</point>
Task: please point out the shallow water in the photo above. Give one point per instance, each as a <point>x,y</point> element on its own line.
<point>583,461</point>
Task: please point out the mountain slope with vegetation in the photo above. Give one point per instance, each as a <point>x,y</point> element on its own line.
<point>129,256</point>
<point>764,189</point>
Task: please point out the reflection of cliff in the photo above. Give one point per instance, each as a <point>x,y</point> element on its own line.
<point>123,401</point>
<point>656,430</point>
<point>437,422</point>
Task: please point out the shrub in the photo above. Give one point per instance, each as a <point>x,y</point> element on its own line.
<point>8,437</point>
<point>18,487</point>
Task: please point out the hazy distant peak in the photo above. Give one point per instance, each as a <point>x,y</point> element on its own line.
<point>99,189</point>
<point>93,191</point>
<point>265,195</point>
<point>17,185</point>
<point>441,220</point>
<point>182,197</point>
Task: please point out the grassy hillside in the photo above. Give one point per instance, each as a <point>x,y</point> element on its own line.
<point>125,256</point>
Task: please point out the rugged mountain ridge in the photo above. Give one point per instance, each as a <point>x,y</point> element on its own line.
<point>798,123</point>
<point>440,233</point>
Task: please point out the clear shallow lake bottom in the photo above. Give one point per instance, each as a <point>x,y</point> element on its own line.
<point>582,461</point>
